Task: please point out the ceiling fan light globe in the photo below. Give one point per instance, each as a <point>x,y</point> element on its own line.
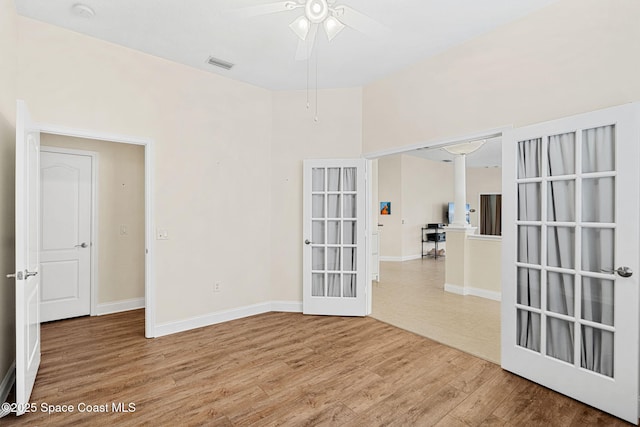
<point>465,147</point>
<point>301,27</point>
<point>332,27</point>
<point>316,11</point>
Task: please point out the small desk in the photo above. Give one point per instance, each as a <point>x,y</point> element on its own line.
<point>433,233</point>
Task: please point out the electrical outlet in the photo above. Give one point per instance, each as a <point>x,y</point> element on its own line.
<point>217,287</point>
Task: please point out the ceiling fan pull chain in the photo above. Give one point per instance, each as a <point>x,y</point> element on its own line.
<point>317,55</point>
<point>308,66</point>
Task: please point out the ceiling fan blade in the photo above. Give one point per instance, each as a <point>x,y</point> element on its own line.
<point>264,9</point>
<point>305,47</point>
<point>360,22</point>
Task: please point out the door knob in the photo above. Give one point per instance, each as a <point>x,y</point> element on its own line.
<point>622,271</point>
<point>307,242</point>
<point>82,245</point>
<point>28,273</point>
<point>17,275</point>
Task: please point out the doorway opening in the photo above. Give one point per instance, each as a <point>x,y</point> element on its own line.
<point>117,298</point>
<point>92,210</point>
<point>410,292</point>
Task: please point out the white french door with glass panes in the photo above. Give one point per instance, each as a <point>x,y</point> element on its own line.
<point>335,252</point>
<point>571,256</point>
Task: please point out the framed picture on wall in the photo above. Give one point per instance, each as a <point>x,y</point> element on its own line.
<point>385,208</point>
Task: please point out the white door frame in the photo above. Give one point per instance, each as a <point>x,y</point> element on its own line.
<point>149,173</point>
<point>93,248</point>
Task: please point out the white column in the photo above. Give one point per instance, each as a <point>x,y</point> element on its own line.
<point>460,192</point>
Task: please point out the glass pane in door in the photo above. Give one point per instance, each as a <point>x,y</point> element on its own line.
<point>598,149</point>
<point>598,249</point>
<point>597,350</point>
<point>529,287</point>
<point>560,293</point>
<point>333,179</point>
<point>317,284</point>
<point>529,244</point>
<point>560,339</point>
<point>530,158</point>
<point>317,232</point>
<point>561,247</point>
<point>561,201</point>
<point>561,157</point>
<point>597,300</point>
<point>528,330</point>
<point>598,200</point>
<point>333,232</point>
<point>317,179</point>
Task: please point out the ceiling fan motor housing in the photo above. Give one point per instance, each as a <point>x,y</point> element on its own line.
<point>316,11</point>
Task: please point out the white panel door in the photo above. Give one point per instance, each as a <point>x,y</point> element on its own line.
<point>571,257</point>
<point>65,253</point>
<point>335,250</point>
<point>27,256</point>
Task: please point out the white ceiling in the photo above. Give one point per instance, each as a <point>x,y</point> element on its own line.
<point>263,48</point>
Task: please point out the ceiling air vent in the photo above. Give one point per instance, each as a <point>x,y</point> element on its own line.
<point>219,63</point>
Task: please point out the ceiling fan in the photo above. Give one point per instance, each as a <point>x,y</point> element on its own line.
<point>326,13</point>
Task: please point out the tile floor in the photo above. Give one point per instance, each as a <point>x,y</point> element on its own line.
<point>411,295</point>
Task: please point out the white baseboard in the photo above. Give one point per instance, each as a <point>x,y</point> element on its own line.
<point>118,306</point>
<point>287,306</point>
<point>7,382</point>
<point>390,258</point>
<point>225,316</point>
<point>476,292</point>
<point>400,258</point>
<point>454,289</point>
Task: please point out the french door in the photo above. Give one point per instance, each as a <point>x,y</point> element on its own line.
<point>335,253</point>
<point>571,215</point>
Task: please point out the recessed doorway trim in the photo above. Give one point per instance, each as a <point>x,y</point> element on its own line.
<point>149,156</point>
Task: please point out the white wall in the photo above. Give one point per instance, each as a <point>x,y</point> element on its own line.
<point>296,136</point>
<point>121,258</point>
<point>484,266</point>
<point>573,56</point>
<point>427,186</point>
<point>390,190</point>
<point>213,148</point>
<point>8,57</point>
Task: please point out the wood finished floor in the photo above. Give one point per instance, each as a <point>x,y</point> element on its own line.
<point>282,369</point>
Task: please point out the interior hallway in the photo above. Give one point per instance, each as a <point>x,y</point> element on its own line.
<point>411,295</point>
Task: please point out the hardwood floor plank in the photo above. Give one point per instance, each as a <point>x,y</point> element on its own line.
<point>279,369</point>
<point>486,398</point>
